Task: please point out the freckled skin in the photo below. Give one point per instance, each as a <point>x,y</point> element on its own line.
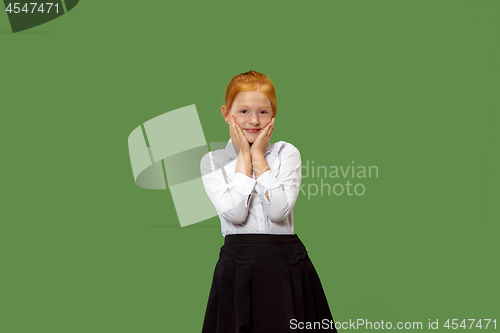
<point>256,114</point>
<point>250,110</point>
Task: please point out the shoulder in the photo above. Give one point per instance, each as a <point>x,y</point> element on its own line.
<point>213,160</point>
<point>284,148</point>
<point>206,163</point>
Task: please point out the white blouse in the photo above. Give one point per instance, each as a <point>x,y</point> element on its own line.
<point>240,201</point>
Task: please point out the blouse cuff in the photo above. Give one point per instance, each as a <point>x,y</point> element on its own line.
<point>266,182</point>
<point>242,183</point>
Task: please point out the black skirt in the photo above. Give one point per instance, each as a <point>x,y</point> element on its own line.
<point>266,283</point>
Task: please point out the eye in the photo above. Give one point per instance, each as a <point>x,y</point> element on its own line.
<point>264,111</point>
<point>243,111</point>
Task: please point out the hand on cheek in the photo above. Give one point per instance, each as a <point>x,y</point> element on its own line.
<point>237,135</point>
<point>260,144</point>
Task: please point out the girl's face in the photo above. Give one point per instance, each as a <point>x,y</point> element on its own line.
<point>252,112</point>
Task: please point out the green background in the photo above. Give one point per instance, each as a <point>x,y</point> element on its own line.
<point>408,86</point>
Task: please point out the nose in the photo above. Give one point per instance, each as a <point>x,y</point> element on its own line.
<point>254,119</point>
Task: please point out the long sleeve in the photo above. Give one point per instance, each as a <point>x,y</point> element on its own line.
<point>230,194</point>
<point>282,189</point>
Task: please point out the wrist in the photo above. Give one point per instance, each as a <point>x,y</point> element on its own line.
<point>256,153</point>
<point>243,149</point>
<point>246,159</point>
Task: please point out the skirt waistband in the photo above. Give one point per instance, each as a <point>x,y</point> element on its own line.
<point>261,239</point>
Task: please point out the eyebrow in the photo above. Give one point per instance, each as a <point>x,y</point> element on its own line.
<point>266,106</point>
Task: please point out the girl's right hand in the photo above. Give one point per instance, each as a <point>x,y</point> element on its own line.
<point>237,136</point>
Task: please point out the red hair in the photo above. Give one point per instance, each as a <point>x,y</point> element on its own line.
<point>250,81</point>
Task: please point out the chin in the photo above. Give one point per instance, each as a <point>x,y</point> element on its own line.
<point>250,140</point>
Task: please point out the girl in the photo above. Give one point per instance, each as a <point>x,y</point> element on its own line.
<point>264,280</point>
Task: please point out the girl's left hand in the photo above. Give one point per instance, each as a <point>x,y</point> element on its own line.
<point>260,144</point>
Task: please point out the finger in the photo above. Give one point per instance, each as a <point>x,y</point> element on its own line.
<point>271,128</point>
<point>239,131</point>
<point>237,127</point>
<point>263,133</point>
<point>233,125</point>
